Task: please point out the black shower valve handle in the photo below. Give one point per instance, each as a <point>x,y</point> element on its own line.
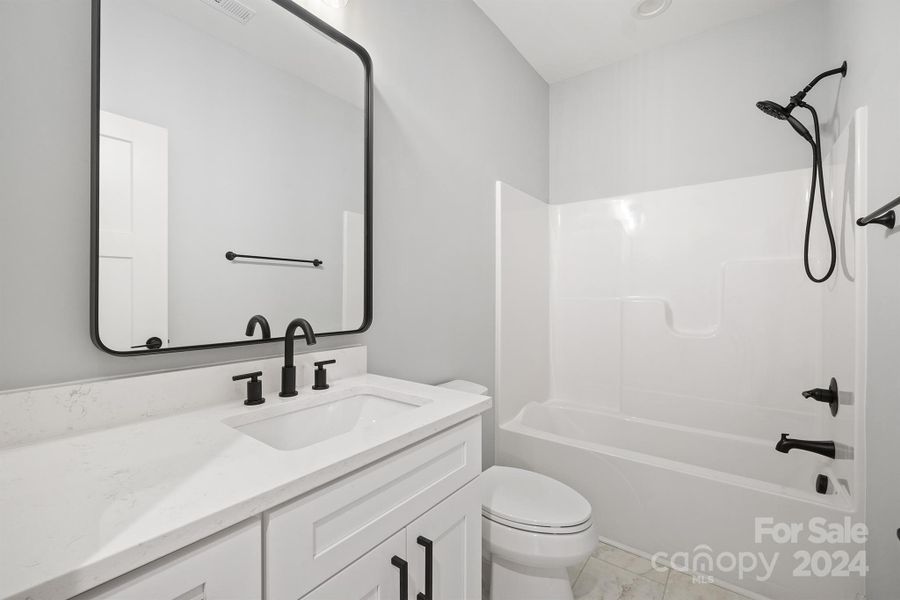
<point>830,396</point>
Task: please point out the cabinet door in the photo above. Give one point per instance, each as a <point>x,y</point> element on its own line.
<point>453,529</point>
<point>225,566</point>
<point>313,537</point>
<point>377,575</point>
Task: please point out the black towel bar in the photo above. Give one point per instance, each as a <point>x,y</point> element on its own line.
<point>233,255</point>
<point>883,216</point>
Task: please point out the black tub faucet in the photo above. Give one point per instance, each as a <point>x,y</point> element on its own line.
<point>263,326</point>
<point>825,448</point>
<point>289,371</point>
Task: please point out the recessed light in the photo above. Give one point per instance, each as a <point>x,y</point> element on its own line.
<point>647,9</point>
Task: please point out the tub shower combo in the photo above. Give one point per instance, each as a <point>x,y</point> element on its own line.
<point>690,367</point>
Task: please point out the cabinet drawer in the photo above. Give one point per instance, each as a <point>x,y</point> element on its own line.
<point>225,566</point>
<point>310,539</point>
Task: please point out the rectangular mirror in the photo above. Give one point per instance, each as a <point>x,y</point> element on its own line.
<point>231,174</point>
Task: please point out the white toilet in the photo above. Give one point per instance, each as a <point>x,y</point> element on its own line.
<point>533,527</point>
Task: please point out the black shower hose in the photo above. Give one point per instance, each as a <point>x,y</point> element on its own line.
<point>817,174</point>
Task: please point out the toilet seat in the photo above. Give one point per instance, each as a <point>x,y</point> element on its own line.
<point>532,502</point>
<point>537,528</point>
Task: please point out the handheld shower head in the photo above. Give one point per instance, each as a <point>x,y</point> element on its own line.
<point>773,109</point>
<point>783,113</point>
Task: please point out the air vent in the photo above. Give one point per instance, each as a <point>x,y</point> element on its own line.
<point>234,9</point>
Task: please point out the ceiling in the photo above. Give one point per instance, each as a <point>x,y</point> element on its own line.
<point>565,38</point>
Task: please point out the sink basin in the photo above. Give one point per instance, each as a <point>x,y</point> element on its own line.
<point>301,423</point>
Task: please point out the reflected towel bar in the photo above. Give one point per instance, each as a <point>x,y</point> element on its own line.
<point>233,255</point>
<point>883,216</point>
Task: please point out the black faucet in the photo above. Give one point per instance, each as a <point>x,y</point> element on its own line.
<point>263,325</point>
<point>825,448</point>
<point>289,371</point>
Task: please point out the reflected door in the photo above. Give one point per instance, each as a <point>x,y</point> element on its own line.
<point>133,261</point>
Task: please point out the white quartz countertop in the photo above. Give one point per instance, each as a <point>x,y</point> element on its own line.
<point>81,510</point>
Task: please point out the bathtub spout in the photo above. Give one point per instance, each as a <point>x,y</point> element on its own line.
<point>825,448</point>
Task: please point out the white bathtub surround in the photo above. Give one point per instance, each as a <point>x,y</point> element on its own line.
<point>36,414</point>
<point>522,327</point>
<point>682,333</point>
<point>108,501</point>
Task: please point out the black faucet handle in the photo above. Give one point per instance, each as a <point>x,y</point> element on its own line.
<point>251,376</point>
<point>321,375</point>
<point>254,387</point>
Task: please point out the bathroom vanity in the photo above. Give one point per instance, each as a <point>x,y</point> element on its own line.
<point>231,187</point>
<point>370,486</point>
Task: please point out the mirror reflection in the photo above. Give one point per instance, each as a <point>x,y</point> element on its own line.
<point>231,174</point>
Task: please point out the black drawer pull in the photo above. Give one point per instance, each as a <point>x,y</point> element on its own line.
<point>404,575</point>
<point>429,567</point>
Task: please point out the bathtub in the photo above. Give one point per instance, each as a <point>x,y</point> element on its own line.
<point>658,487</point>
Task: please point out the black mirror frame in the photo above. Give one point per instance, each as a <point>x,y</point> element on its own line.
<point>323,28</point>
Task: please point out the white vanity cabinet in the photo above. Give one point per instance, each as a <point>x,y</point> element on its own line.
<point>376,532</point>
<point>378,575</point>
<point>224,566</point>
<point>425,490</point>
<point>398,567</point>
<point>454,529</point>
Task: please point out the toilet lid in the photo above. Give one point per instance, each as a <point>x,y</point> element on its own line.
<point>516,496</point>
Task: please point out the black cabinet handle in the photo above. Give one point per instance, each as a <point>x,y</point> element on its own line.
<point>404,575</point>
<point>429,567</point>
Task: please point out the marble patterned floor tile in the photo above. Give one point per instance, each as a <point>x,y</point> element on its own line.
<point>575,571</point>
<point>601,580</point>
<point>630,562</point>
<point>682,587</point>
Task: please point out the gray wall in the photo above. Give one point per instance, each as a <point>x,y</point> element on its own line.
<point>685,113</point>
<point>456,107</point>
<point>864,32</point>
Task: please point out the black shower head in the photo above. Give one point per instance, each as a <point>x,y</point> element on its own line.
<point>773,109</point>
<point>783,113</point>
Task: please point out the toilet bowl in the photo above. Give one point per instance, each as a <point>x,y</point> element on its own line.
<point>533,528</point>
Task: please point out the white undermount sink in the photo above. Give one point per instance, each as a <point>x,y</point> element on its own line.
<point>311,419</point>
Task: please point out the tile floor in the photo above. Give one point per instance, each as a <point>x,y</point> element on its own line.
<point>614,574</point>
